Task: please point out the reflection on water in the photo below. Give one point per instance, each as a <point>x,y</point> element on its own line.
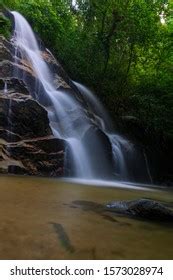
<point>113,184</point>
<point>45,218</point>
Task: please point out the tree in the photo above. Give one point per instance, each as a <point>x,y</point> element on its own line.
<point>119,48</point>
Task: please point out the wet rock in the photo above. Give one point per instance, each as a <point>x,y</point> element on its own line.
<point>157,147</point>
<point>27,145</point>
<point>23,117</point>
<point>142,208</point>
<point>43,157</point>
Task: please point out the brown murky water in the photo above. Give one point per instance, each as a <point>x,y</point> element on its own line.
<point>49,219</point>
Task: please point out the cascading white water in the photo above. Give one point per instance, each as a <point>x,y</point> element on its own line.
<point>80,159</point>
<point>67,117</point>
<point>27,47</point>
<point>119,144</point>
<point>104,121</point>
<point>5,88</point>
<point>119,158</point>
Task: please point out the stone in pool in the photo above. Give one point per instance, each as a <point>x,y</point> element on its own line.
<point>143,208</point>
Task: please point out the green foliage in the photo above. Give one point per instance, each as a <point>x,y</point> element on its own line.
<point>8,3</point>
<point>43,18</point>
<point>119,48</point>
<point>5,26</point>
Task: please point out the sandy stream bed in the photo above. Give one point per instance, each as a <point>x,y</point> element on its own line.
<point>43,218</point>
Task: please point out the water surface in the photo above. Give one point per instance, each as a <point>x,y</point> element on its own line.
<point>43,218</point>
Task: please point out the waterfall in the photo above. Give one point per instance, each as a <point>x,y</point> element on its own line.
<point>104,121</point>
<point>79,159</point>
<point>26,46</point>
<point>5,87</point>
<point>120,146</point>
<point>95,150</point>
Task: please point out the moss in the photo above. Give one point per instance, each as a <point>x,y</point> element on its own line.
<point>5,25</point>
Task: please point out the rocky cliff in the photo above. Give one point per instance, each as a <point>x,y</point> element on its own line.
<point>156,146</point>
<point>27,145</point>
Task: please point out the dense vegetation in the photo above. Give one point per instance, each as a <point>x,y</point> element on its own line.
<point>121,49</point>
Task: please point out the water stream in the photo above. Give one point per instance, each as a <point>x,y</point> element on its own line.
<point>28,229</point>
<point>5,88</point>
<point>88,154</point>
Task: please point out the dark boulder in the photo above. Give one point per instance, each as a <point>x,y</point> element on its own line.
<point>23,116</point>
<point>43,157</point>
<point>142,208</point>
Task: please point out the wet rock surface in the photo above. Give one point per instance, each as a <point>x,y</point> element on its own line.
<point>142,208</point>
<point>24,121</point>
<point>157,147</point>
<point>27,145</point>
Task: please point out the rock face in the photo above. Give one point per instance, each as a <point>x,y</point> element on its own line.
<point>156,147</point>
<point>142,208</point>
<point>27,145</point>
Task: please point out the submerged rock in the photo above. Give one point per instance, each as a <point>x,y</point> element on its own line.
<point>142,208</point>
